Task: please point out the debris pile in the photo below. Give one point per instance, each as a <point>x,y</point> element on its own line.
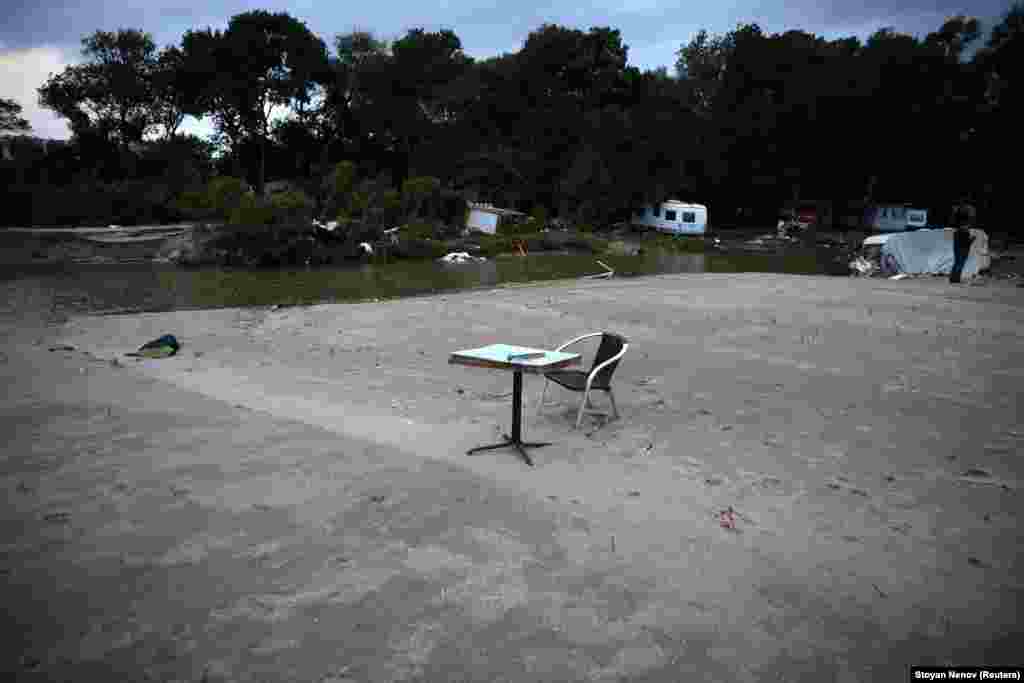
<point>460,257</point>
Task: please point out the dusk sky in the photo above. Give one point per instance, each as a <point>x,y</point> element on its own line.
<point>39,39</point>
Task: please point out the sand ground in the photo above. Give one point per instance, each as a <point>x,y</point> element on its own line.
<point>288,499</point>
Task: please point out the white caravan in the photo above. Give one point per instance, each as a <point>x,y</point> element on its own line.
<point>673,217</point>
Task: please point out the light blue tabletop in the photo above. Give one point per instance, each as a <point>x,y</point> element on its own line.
<point>497,355</point>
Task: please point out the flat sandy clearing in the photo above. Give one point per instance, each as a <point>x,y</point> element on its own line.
<point>289,498</point>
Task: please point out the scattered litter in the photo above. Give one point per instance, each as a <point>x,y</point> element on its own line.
<point>899,276</point>
<point>329,226</point>
<point>975,562</point>
<point>162,347</point>
<point>62,347</point>
<point>727,519</point>
<point>57,517</point>
<point>976,473</point>
<point>495,397</point>
<point>863,266</point>
<point>787,229</point>
<point>367,249</point>
<point>902,528</point>
<point>608,272</point>
<point>633,494</point>
<point>461,257</point>
<point>880,591</point>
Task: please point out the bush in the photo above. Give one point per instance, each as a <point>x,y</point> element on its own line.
<point>539,216</point>
<point>421,230</point>
<point>225,193</point>
<point>678,243</point>
<point>419,248</point>
<point>518,227</point>
<point>492,245</point>
<point>416,190</point>
<point>586,242</point>
<point>291,207</point>
<point>342,180</point>
<point>251,211</point>
<point>391,200</point>
<point>89,204</point>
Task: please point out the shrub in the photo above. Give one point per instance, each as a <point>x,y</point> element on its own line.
<point>492,245</point>
<point>251,211</point>
<point>421,230</point>
<point>358,202</point>
<point>391,200</point>
<point>416,190</point>
<point>225,193</point>
<point>539,216</point>
<point>342,180</point>
<point>292,206</point>
<point>419,248</point>
<point>518,227</point>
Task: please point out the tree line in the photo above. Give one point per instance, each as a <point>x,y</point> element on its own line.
<point>563,126</point>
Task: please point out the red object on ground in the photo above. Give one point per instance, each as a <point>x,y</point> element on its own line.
<point>727,518</point>
<point>807,216</point>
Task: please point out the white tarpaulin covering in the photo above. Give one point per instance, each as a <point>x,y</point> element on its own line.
<point>931,252</point>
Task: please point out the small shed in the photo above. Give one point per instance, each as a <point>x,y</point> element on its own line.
<point>673,216</point>
<point>486,218</point>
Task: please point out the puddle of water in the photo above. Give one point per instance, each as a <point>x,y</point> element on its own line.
<point>56,290</point>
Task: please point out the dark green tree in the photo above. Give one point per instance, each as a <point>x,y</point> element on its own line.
<point>110,95</point>
<point>261,61</point>
<point>10,117</point>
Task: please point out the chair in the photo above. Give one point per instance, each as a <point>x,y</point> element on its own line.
<point>609,353</point>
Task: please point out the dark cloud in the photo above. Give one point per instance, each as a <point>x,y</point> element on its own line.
<point>842,13</point>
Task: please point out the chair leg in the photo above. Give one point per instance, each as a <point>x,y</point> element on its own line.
<point>615,409</point>
<point>583,405</point>
<point>540,403</point>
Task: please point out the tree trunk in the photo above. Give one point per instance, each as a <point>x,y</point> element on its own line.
<point>263,166</point>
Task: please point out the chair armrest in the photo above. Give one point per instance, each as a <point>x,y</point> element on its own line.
<point>579,339</point>
<point>599,368</point>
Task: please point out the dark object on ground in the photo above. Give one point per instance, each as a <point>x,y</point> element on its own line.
<point>163,347</point>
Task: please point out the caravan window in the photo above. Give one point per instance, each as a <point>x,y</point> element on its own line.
<point>670,216</point>
<point>689,217</point>
<point>657,211</point>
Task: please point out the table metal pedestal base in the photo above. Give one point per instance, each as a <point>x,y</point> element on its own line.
<point>515,440</point>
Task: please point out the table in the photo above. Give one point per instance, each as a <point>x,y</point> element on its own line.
<point>496,357</point>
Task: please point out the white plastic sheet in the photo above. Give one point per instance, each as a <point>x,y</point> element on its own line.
<point>931,252</point>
